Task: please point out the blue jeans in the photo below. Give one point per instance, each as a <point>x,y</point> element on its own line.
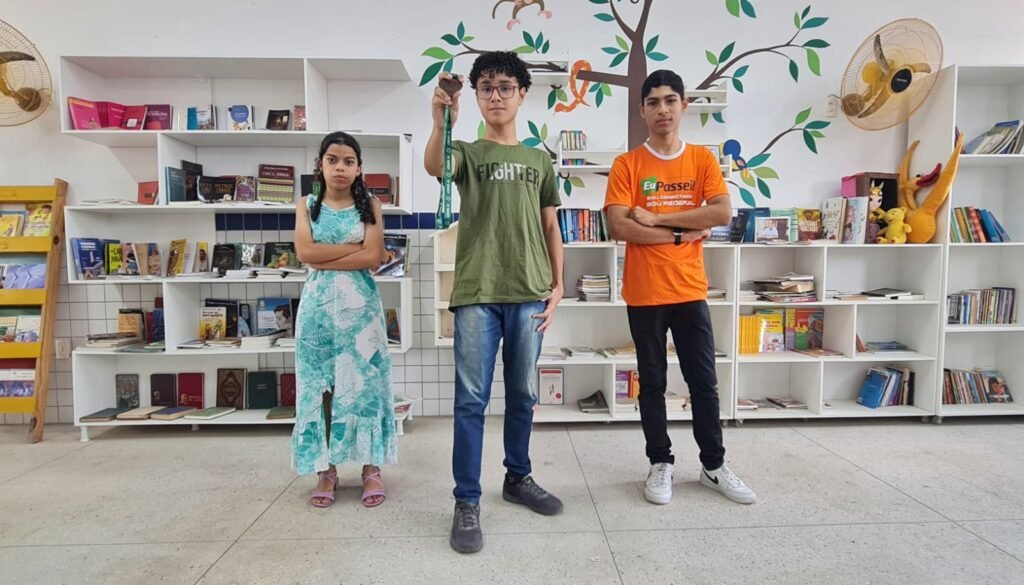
<point>478,329</point>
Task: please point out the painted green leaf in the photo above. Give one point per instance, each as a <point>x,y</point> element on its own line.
<point>748,8</point>
<point>651,44</point>
<point>802,116</point>
<point>604,17</point>
<point>814,22</point>
<point>726,52</point>
<point>618,59</point>
<point>540,40</point>
<point>532,142</point>
<point>749,179</point>
<point>606,89</point>
<point>711,57</point>
<point>552,99</point>
<point>468,38</point>
<point>813,62</point>
<point>796,20</point>
<point>816,44</point>
<point>598,1</point>
<point>809,141</point>
<point>567,186</point>
<point>758,160</point>
<point>437,53</point>
<point>766,173</point>
<point>704,120</point>
<point>595,88</point>
<point>805,12</point>
<point>622,43</point>
<point>533,129</point>
<point>544,132</point>
<point>733,6</point>
<point>562,96</point>
<point>460,31</point>
<point>718,117</point>
<point>523,49</point>
<point>818,125</point>
<point>737,84</point>
<point>657,56</point>
<point>747,197</point>
<point>431,72</point>
<point>599,99</point>
<point>794,71</point>
<point>528,39</point>
<point>451,40</point>
<point>576,181</point>
<point>448,65</point>
<point>817,134</point>
<point>764,189</point>
<point>547,45</point>
<point>611,50</point>
<point>741,71</point>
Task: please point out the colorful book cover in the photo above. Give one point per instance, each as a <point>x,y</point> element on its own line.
<point>177,185</point>
<point>113,254</point>
<point>231,307</point>
<point>27,328</point>
<point>131,321</point>
<point>751,233</point>
<point>396,247</point>
<point>872,390</point>
<point>147,193</point>
<point>808,224</point>
<point>261,389</point>
<point>129,260</point>
<point>11,223</point>
<point>816,329</point>
<point>231,387</point>
<point>273,314</point>
<point>245,188</point>
<point>393,329</point>
<point>158,116</point>
<point>213,323</point>
<point>202,118</point>
<point>111,114</point>
<point>176,258</point>
<point>240,117</point>
<point>288,389</point>
<point>190,389</point>
<point>995,388</point>
<point>281,255</point>
<point>84,114</point>
<point>855,221</point>
<point>252,255</point>
<point>773,330</point>
<point>278,119</point>
<point>804,328</point>
<point>832,211</point>
<point>134,118</point>
<point>40,216</point>
<point>163,390</point>
<point>226,257</point>
<point>88,258</point>
<point>127,386</point>
<point>9,329</point>
<point>202,259</point>
<point>213,189</point>
<point>193,171</point>
<point>299,119</point>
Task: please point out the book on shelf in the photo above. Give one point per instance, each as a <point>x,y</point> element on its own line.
<point>392,326</point>
<point>245,188</point>
<point>216,189</point>
<point>158,117</point>
<point>278,119</point>
<point>231,387</point>
<point>299,118</point>
<point>396,246</point>
<point>22,276</point>
<point>193,172</point>
<point>786,402</point>
<point>201,118</point>
<point>27,328</point>
<point>131,321</point>
<point>263,340</point>
<point>750,235</point>
<point>1002,138</point>
<point>19,383</point>
<point>12,222</point>
<point>261,389</point>
<point>134,117</point>
<point>991,306</point>
<point>805,328</point>
<point>771,230</point>
<point>210,413</point>
<point>172,412</point>
<point>819,352</point>
<point>241,117</point>
<point>889,293</point>
<point>583,225</point>
<point>720,233</point>
<point>139,413</point>
<point>281,413</point>
<point>833,211</point>
<point>84,114</point>
<point>190,389</point>
<point>104,415</point>
<point>594,288</point>
<point>855,221</point>
<point>275,183</point>
<point>288,389</point>
<point>163,390</point>
<point>738,225</point>
<point>595,403</point>
<point>808,224</point>
<point>273,314</point>
<point>791,214</point>
<point>38,221</point>
<point>885,347</point>
<point>746,404</point>
<point>111,340</point>
<point>8,329</point>
<point>887,386</point>
<point>978,386</point>
<point>772,329</point>
<point>550,386</point>
<point>549,353</point>
<point>88,257</point>
<point>177,185</point>
<point>976,226</point>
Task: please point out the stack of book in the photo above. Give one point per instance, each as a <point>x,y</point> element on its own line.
<point>626,351</point>
<point>888,386</point>
<point>976,226</point>
<point>112,340</point>
<point>263,341</point>
<point>788,288</point>
<point>594,288</point>
<point>979,386</point>
<point>553,353</point>
<point>991,306</point>
<point>276,183</point>
<point>1003,138</point>
<point>580,351</point>
<point>716,294</point>
<point>885,347</point>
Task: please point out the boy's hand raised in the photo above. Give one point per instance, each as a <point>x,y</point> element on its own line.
<point>442,98</point>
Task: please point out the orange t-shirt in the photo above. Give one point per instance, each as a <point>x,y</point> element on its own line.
<point>664,274</point>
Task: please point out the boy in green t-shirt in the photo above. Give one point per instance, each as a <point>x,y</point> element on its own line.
<point>508,282</point>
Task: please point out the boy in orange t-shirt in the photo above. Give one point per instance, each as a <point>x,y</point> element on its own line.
<point>662,198</point>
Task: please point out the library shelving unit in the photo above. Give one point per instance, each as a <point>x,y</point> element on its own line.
<point>600,161</point>
<point>973,98</point>
<point>265,83</point>
<point>36,355</point>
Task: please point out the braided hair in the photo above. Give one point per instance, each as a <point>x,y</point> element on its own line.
<point>360,194</point>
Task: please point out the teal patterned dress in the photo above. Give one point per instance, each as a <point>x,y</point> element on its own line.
<point>341,343</point>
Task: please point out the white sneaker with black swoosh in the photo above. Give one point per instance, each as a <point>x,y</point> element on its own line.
<point>725,481</point>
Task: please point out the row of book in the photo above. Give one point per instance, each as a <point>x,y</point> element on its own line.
<point>19,383</point>
<point>583,225</point>
<point>1003,138</point>
<point>20,328</point>
<point>272,184</point>
<point>841,220</point>
<point>971,225</point>
<point>887,386</point>
<point>779,330</point>
<point>573,140</point>
<point>29,220</point>
<point>990,306</point>
<point>979,386</point>
<point>96,115</point>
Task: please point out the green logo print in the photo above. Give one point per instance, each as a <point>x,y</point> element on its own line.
<point>649,185</point>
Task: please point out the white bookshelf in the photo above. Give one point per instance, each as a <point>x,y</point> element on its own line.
<point>973,98</point>
<point>264,83</point>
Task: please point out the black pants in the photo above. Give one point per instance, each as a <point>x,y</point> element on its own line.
<point>690,324</point>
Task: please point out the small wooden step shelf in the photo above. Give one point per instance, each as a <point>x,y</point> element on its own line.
<point>34,355</point>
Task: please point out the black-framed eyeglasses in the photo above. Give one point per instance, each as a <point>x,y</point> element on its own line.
<point>504,91</point>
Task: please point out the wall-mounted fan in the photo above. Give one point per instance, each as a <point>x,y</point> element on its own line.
<point>891,74</point>
<point>25,84</point>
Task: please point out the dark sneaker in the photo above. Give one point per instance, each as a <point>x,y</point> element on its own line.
<point>466,534</point>
<point>531,495</point>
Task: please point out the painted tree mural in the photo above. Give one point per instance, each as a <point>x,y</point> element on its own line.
<point>630,52</point>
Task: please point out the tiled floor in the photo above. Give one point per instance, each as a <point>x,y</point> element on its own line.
<point>891,503</point>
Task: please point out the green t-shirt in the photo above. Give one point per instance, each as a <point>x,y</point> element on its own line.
<point>501,255</point>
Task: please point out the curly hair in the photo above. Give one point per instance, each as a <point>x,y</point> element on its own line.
<point>360,194</point>
<point>500,62</point>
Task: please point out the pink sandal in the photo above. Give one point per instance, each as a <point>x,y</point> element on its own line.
<point>367,494</point>
<point>331,476</point>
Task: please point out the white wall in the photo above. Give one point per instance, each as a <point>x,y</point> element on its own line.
<point>981,32</point>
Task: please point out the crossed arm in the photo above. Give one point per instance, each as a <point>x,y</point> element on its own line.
<point>718,211</point>
<point>369,254</point>
<point>626,228</point>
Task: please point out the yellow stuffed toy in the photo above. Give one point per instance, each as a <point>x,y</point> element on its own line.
<point>895,230</point>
